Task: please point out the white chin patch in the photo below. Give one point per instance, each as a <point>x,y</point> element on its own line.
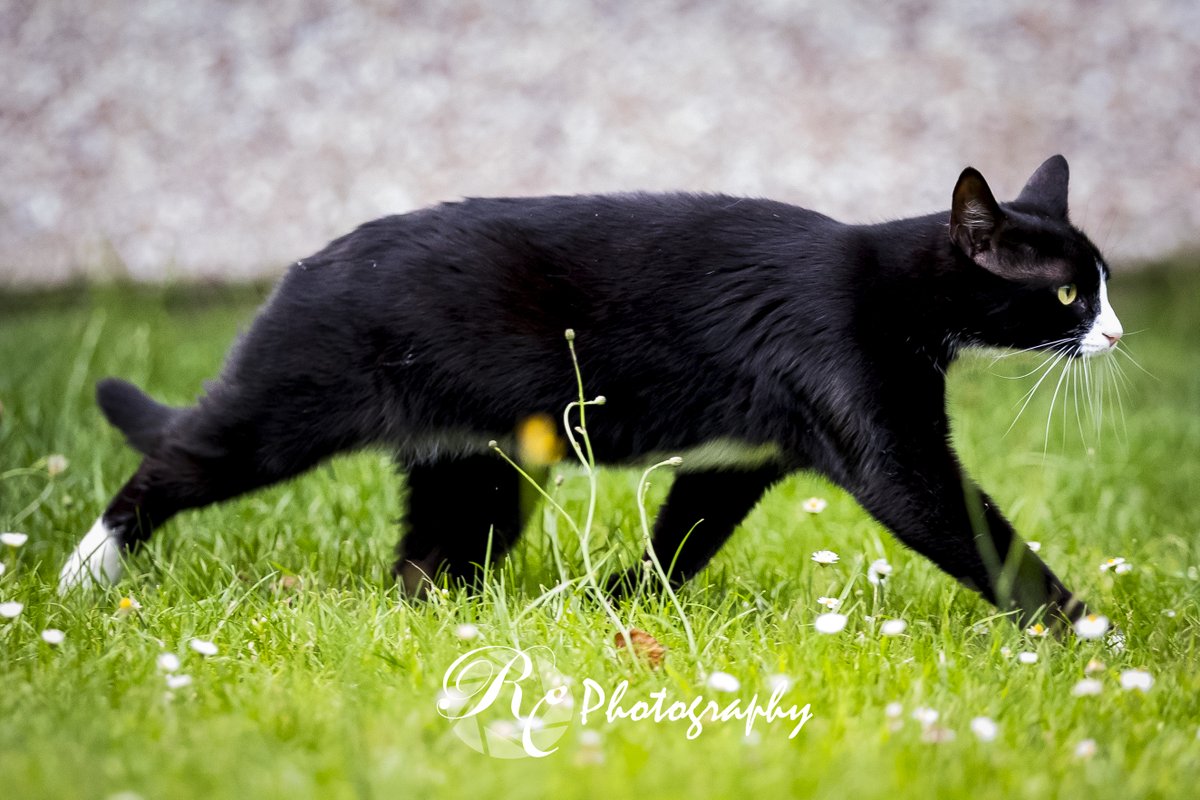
<point>1106,328</point>
<point>95,562</point>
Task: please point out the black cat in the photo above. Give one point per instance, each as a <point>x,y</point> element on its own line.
<point>745,325</point>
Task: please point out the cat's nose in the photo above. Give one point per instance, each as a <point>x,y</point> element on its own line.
<point>1112,338</point>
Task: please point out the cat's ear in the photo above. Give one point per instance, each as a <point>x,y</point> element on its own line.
<point>1047,187</point>
<point>975,217</point>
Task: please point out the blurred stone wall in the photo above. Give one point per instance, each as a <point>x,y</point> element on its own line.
<point>172,140</point>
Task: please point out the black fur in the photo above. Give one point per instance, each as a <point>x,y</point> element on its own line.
<point>700,318</point>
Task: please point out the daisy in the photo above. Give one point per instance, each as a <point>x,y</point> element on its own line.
<point>1027,657</point>
<point>14,539</point>
<point>1136,679</point>
<point>128,605</point>
<point>825,557</point>
<point>814,505</point>
<point>56,464</point>
<point>1092,626</point>
<point>723,682</point>
<point>466,631</point>
<point>1088,687</point>
<point>1038,629</point>
<point>1118,565</point>
<point>984,728</point>
<point>11,609</point>
<point>879,570</point>
<point>925,716</point>
<point>1085,749</point>
<point>203,647</point>
<point>1094,665</point>
<point>779,683</point>
<point>53,636</point>
<point>452,700</point>
<point>893,627</point>
<point>830,623</point>
<point>178,681</point>
<point>831,603</point>
<point>893,710</point>
<point>167,662</point>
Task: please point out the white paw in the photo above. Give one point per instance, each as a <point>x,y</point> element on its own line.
<point>95,562</point>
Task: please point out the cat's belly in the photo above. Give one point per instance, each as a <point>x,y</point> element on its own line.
<point>716,454</point>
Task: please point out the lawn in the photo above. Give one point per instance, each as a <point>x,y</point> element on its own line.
<point>324,683</point>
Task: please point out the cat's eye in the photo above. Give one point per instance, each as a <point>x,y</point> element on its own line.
<point>1067,294</point>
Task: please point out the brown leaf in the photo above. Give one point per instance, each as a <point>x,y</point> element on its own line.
<point>644,646</point>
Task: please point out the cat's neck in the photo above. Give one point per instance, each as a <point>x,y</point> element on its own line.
<point>919,285</point>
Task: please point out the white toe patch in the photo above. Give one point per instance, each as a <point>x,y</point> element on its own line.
<point>95,562</point>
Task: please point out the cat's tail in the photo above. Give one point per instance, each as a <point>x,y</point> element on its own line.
<point>135,414</point>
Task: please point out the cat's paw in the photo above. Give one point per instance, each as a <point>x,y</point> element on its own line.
<point>96,561</point>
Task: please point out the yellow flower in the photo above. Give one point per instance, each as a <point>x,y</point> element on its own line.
<point>128,605</point>
<point>538,441</point>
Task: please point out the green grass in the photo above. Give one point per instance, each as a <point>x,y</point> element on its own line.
<point>327,688</point>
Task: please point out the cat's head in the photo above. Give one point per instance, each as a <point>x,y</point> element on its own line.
<point>1052,290</point>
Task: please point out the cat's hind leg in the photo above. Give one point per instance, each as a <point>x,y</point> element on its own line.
<point>461,513</point>
<point>229,444</point>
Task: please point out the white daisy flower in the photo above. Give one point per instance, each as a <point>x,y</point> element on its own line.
<point>167,662</point>
<point>14,539</point>
<point>127,605</point>
<point>452,700</point>
<point>1006,651</point>
<point>831,603</point>
<point>814,505</point>
<point>531,723</point>
<point>1137,679</point>
<point>1118,565</point>
<point>53,636</point>
<point>1027,657</point>
<point>879,570</point>
<point>1038,629</point>
<point>1085,749</point>
<point>203,647</point>
<point>11,609</point>
<point>779,683</point>
<point>893,627</point>
<point>1092,626</point>
<point>723,682</point>
<point>1093,665</point>
<point>830,623</point>
<point>825,557</point>
<point>984,728</point>
<point>1034,546</point>
<point>178,681</point>
<point>1088,687</point>
<point>936,735</point>
<point>56,464</point>
<point>925,716</point>
<point>466,632</point>
<point>893,710</point>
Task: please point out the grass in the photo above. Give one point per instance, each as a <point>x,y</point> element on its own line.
<point>325,683</point>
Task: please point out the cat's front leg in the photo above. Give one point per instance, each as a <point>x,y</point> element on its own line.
<point>934,508</point>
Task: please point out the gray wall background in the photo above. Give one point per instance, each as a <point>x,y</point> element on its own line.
<point>168,140</point>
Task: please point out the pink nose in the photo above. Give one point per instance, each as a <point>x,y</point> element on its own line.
<point>1112,339</point>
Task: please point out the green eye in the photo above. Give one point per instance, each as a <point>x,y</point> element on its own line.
<point>1067,294</point>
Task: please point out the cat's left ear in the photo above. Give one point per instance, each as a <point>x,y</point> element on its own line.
<point>975,218</point>
<point>1047,187</point>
